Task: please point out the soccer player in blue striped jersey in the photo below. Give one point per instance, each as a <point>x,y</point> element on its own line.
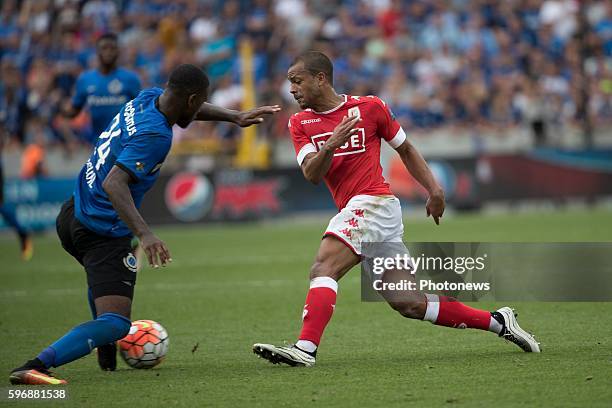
<point>104,90</point>
<point>96,225</point>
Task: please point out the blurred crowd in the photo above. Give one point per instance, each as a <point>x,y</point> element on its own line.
<point>437,63</point>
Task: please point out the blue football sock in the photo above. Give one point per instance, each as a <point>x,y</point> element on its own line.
<point>83,338</point>
<point>92,304</point>
<point>9,218</point>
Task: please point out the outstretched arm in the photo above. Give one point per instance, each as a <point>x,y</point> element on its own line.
<point>419,169</point>
<point>116,186</point>
<point>210,112</point>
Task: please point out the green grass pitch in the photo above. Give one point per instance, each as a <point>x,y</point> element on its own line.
<point>233,285</point>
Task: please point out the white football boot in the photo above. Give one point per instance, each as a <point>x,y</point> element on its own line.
<point>512,332</point>
<point>290,355</point>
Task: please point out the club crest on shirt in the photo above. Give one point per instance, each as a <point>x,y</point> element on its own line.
<point>354,111</point>
<point>115,86</point>
<point>355,144</point>
<point>139,166</point>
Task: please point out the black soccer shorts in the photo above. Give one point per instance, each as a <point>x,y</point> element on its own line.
<point>109,262</point>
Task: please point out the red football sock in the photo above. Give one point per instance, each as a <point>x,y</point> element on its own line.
<point>319,307</point>
<point>445,311</point>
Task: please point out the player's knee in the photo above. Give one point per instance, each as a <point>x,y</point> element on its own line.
<point>413,309</point>
<point>117,304</point>
<point>321,268</point>
<point>118,326</point>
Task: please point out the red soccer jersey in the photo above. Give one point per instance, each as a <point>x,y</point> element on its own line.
<point>355,167</point>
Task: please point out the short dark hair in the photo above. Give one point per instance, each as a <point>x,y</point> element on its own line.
<point>187,79</point>
<point>107,36</point>
<point>315,62</point>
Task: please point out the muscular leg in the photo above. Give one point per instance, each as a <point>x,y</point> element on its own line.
<point>332,262</point>
<point>334,259</point>
<point>111,324</point>
<point>439,310</point>
<point>121,305</point>
<point>409,303</point>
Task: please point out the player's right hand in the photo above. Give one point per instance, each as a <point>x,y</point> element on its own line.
<point>255,116</point>
<point>435,205</point>
<point>155,249</point>
<point>342,132</point>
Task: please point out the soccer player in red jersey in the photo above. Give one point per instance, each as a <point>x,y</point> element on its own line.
<point>337,139</point>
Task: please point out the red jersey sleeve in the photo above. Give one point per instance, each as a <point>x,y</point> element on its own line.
<point>387,126</point>
<point>302,143</point>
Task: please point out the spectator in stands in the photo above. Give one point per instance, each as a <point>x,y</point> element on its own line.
<point>33,159</point>
<point>441,63</point>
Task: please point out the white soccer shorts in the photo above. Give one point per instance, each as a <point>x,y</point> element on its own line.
<point>368,219</point>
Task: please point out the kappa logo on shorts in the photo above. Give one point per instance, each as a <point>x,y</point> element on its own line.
<point>353,222</point>
<point>347,232</point>
<point>130,262</point>
<point>359,212</point>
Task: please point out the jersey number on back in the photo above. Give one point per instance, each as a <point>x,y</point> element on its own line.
<point>104,148</point>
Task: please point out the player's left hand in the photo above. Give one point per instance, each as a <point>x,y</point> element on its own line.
<point>255,116</point>
<point>155,248</point>
<point>435,205</point>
